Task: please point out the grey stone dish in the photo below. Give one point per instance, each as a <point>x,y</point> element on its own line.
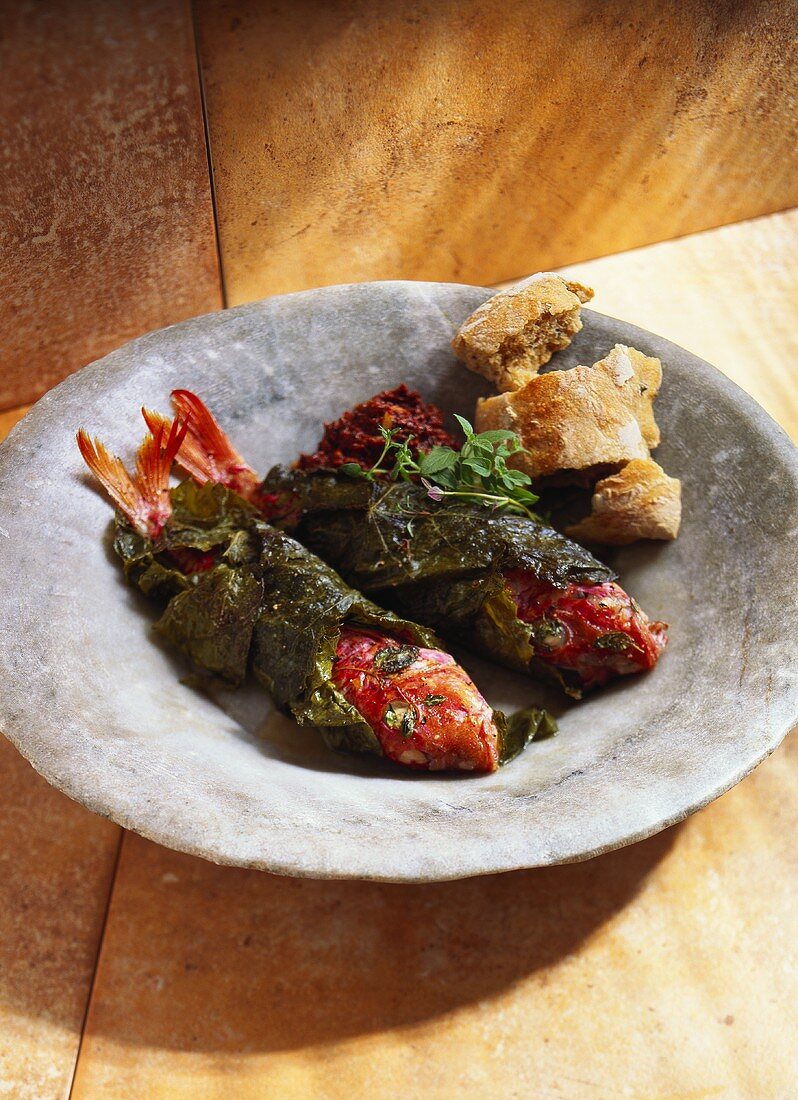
<point>98,707</point>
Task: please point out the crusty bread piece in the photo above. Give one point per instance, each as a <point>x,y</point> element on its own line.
<point>577,420</point>
<point>639,502</point>
<point>518,330</point>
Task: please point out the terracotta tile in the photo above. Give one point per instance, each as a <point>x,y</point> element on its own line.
<point>667,968</point>
<point>729,295</point>
<point>106,223</point>
<point>56,866</point>
<point>474,142</point>
<point>9,418</point>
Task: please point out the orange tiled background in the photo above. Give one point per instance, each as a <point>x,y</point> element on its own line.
<point>164,159</point>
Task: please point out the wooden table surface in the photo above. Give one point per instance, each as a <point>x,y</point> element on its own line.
<point>666,970</point>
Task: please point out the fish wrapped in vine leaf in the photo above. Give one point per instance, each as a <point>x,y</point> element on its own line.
<point>240,595</point>
<point>503,583</point>
<point>446,563</point>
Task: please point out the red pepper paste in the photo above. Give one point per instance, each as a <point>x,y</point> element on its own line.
<point>355,437</point>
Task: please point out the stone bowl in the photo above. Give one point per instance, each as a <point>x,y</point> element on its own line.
<point>100,709</point>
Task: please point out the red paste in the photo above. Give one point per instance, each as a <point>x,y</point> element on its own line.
<point>355,437</point>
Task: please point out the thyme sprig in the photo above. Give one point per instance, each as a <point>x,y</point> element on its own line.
<point>478,471</point>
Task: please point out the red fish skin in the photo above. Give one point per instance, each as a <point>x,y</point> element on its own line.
<point>455,732</point>
<point>191,561</point>
<point>597,631</point>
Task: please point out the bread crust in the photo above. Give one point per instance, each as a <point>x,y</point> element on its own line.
<point>509,337</point>
<point>640,501</point>
<point>577,420</point>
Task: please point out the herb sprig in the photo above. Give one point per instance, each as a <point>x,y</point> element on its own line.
<point>478,471</point>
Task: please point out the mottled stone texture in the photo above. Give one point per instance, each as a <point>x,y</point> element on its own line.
<point>476,140</point>
<point>103,713</point>
<point>106,223</point>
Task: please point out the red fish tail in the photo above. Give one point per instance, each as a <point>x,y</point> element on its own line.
<point>155,420</point>
<point>207,453</point>
<point>117,482</point>
<point>154,462</point>
<point>144,497</point>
